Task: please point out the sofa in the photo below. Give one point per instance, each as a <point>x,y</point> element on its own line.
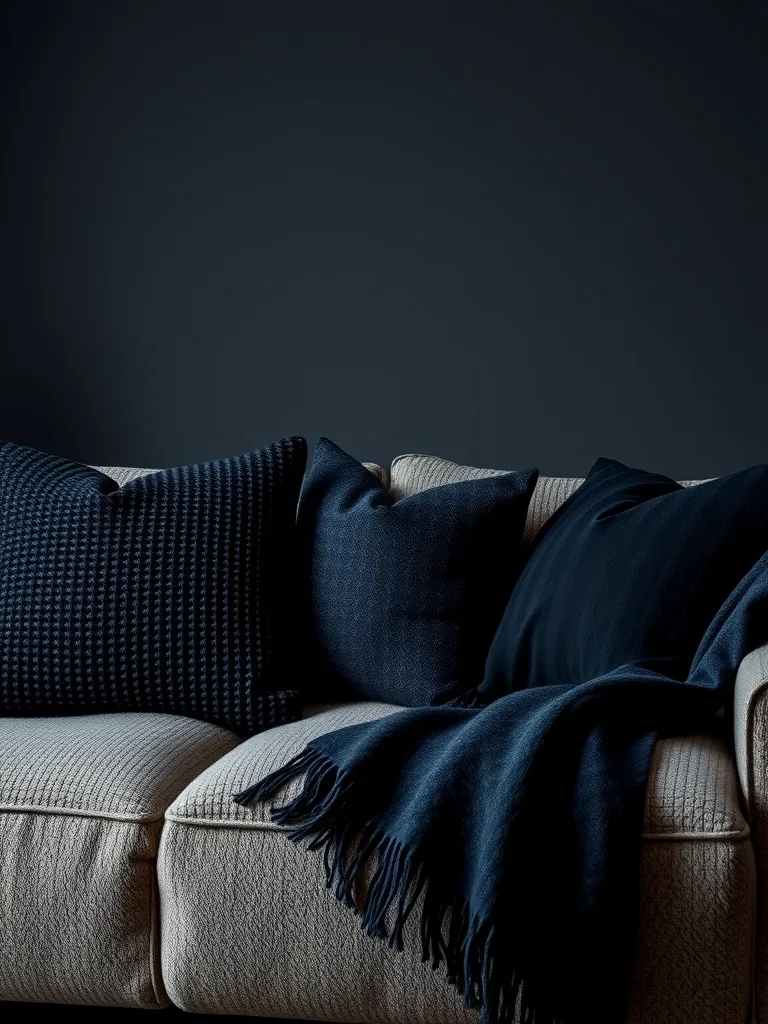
<point>130,878</point>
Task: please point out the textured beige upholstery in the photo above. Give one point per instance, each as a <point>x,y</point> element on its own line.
<point>377,471</point>
<point>248,926</point>
<point>122,474</point>
<point>751,743</point>
<point>410,474</point>
<point>81,808</point>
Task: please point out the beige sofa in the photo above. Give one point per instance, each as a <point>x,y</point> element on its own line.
<point>130,878</point>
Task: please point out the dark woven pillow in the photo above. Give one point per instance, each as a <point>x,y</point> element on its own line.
<point>174,592</point>
<point>404,596</point>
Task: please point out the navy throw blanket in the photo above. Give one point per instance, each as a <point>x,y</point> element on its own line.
<point>517,825</point>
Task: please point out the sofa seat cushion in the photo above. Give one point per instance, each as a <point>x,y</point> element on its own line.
<point>248,926</point>
<point>81,809</point>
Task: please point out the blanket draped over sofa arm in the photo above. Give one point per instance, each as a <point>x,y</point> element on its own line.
<point>514,829</point>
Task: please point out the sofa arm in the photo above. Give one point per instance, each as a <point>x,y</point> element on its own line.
<point>750,721</point>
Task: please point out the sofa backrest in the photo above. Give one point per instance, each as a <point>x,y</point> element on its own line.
<point>122,474</point>
<point>410,474</point>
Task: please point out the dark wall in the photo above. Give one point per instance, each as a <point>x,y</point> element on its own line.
<point>507,233</point>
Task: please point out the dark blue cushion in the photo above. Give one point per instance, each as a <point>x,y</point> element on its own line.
<point>630,569</point>
<point>175,592</point>
<point>404,597</point>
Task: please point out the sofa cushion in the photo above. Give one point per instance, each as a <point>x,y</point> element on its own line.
<point>249,927</point>
<point>173,592</point>
<point>404,597</point>
<point>81,809</point>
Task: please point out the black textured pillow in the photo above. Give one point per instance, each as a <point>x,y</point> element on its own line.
<point>174,592</point>
<point>404,597</point>
<point>631,568</point>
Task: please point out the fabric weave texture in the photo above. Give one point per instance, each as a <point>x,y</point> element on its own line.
<point>81,808</point>
<point>692,962</point>
<point>403,597</point>
<point>174,592</point>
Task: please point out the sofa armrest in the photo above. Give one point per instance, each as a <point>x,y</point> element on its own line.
<point>750,721</point>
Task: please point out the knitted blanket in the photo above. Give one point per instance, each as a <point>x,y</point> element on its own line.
<point>513,830</point>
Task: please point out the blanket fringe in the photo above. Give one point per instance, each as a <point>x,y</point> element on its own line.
<point>324,816</point>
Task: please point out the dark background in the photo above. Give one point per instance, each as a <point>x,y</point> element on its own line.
<point>505,233</point>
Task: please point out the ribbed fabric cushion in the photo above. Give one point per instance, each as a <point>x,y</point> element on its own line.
<point>550,493</point>
<point>694,941</point>
<point>172,592</point>
<point>411,474</point>
<point>81,806</point>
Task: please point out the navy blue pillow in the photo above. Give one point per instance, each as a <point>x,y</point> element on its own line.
<point>404,597</point>
<point>175,592</point>
<point>631,568</point>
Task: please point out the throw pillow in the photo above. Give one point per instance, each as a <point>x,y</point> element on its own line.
<point>174,592</point>
<point>630,569</point>
<point>404,596</point>
<point>410,474</point>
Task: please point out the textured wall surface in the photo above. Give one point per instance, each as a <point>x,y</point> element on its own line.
<point>503,233</point>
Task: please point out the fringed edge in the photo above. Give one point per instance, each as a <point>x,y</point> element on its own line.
<point>466,945</point>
